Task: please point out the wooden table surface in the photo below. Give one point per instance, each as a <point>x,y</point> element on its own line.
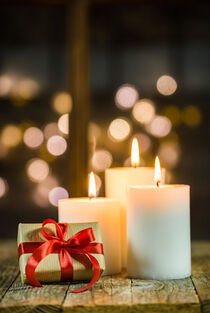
<point>111,293</point>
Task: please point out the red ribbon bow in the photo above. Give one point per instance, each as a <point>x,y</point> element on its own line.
<point>80,246</point>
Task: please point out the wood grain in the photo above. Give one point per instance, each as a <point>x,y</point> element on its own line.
<point>24,298</point>
<point>201,272</point>
<point>113,294</point>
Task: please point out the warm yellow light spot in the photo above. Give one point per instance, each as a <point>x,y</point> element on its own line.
<point>92,186</point>
<point>101,160</point>
<point>192,116</point>
<point>33,137</point>
<point>135,157</point>
<point>119,129</point>
<point>143,111</point>
<point>126,96</point>
<point>157,177</point>
<point>37,170</point>
<point>173,113</point>
<point>63,123</point>
<point>50,130</point>
<point>166,85</point>
<point>25,90</point>
<point>11,136</point>
<point>3,187</point>
<point>6,84</point>
<point>62,103</point>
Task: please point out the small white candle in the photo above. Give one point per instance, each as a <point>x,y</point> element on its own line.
<point>117,181</point>
<point>158,230</point>
<point>103,210</point>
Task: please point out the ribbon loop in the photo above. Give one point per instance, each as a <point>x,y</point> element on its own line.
<point>79,246</point>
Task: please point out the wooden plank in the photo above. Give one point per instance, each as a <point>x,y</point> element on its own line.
<point>121,294</point>
<point>9,270</point>
<point>24,298</point>
<point>78,53</point>
<point>201,272</point>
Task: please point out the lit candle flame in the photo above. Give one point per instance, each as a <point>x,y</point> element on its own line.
<point>157,177</point>
<point>92,186</point>
<point>135,158</point>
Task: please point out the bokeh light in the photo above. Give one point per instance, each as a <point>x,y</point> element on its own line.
<point>101,160</point>
<point>6,84</point>
<point>192,116</point>
<point>39,199</point>
<point>119,129</point>
<point>63,123</point>
<point>169,154</point>
<point>44,187</point>
<point>57,194</point>
<point>166,85</point>
<point>159,127</point>
<point>126,96</point>
<point>11,136</point>
<point>94,131</point>
<point>50,130</point>
<point>25,89</point>
<point>143,111</point>
<point>33,137</point>
<point>56,145</point>
<point>62,103</point>
<point>3,187</point>
<point>37,170</point>
<point>173,113</point>
<point>144,141</point>
<point>3,150</point>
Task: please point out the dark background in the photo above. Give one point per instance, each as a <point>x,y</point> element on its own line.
<point>130,43</point>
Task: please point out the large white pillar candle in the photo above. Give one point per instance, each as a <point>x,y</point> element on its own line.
<point>158,232</point>
<point>117,181</point>
<point>103,210</point>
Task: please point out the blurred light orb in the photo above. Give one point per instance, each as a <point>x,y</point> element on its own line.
<point>11,136</point>
<point>94,131</point>
<point>56,194</point>
<point>166,85</point>
<point>169,154</point>
<point>40,200</point>
<point>50,130</point>
<point>56,145</point>
<point>144,140</point>
<point>119,129</point>
<point>26,89</point>
<point>33,137</point>
<point>192,116</point>
<point>3,150</point>
<point>126,96</point>
<point>101,160</point>
<point>160,126</point>
<point>173,113</point>
<point>5,85</point>
<point>143,111</point>
<point>63,123</point>
<point>62,103</point>
<point>3,187</point>
<point>37,170</point>
<point>44,187</point>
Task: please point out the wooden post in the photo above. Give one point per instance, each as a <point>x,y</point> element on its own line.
<point>79,88</point>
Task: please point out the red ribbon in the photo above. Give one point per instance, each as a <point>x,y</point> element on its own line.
<point>80,246</point>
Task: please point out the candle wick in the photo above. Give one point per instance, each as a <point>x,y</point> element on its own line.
<point>158,183</point>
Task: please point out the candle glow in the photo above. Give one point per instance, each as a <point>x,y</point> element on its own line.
<point>157,177</point>
<point>135,158</point>
<point>92,186</point>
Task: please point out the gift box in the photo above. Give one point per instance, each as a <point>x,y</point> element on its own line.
<point>52,239</point>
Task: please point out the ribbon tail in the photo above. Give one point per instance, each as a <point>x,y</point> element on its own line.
<point>39,254</point>
<point>96,274</point>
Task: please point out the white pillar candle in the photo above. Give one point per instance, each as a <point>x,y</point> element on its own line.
<point>117,181</point>
<point>158,232</point>
<point>107,213</point>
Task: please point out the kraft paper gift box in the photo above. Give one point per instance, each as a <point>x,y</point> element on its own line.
<point>49,270</point>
